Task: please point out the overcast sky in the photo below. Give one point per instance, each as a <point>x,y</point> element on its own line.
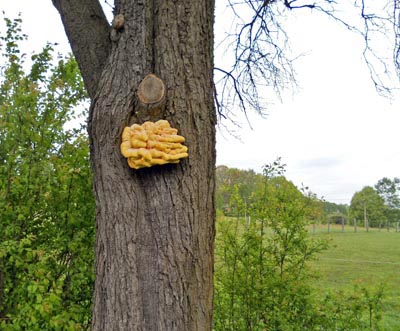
<point>336,134</point>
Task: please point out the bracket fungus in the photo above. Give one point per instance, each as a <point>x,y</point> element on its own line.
<point>152,144</point>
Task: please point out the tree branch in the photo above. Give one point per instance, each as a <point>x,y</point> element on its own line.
<point>396,27</point>
<point>87,30</point>
<point>260,59</point>
<point>260,46</point>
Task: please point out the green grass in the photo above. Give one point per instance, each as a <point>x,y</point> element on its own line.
<point>363,259</point>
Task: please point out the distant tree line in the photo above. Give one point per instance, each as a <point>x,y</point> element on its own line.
<point>379,205</point>
<point>235,185</point>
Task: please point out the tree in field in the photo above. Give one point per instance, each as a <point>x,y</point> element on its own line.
<point>336,211</point>
<point>46,206</point>
<point>155,227</point>
<point>227,179</point>
<point>389,190</point>
<point>368,205</point>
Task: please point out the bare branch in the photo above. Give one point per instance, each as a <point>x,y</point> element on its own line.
<point>260,62</point>
<point>87,30</point>
<point>260,45</point>
<point>396,28</point>
<point>373,26</point>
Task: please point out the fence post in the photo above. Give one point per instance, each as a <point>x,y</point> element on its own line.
<point>355,225</point>
<point>342,224</point>
<point>365,217</point>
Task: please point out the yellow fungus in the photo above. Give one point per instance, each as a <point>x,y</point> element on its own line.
<point>152,144</point>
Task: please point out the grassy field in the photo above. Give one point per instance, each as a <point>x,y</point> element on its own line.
<point>363,259</point>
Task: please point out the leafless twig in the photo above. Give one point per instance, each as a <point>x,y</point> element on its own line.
<point>261,47</point>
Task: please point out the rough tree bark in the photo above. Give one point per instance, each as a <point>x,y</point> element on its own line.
<point>155,226</point>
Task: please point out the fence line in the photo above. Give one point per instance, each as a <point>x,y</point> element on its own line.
<point>359,261</point>
<point>354,227</point>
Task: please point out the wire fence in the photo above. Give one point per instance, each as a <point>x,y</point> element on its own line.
<point>355,227</point>
<point>358,261</point>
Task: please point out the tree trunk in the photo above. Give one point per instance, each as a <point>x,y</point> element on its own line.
<point>155,226</point>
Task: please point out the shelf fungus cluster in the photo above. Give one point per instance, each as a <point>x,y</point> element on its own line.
<point>152,144</point>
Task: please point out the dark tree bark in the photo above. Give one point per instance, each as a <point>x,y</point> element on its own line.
<point>88,32</point>
<point>155,226</point>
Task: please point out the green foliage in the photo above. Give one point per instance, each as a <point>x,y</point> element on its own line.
<point>260,265</point>
<point>347,311</point>
<point>262,276</point>
<point>335,213</point>
<point>389,190</point>
<point>46,204</point>
<point>367,203</point>
<point>235,192</point>
<point>230,181</point>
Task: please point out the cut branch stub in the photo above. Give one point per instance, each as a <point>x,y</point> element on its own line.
<point>151,90</point>
<point>118,22</point>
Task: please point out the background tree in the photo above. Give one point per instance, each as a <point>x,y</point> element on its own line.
<point>367,203</point>
<point>46,205</point>
<point>227,178</point>
<point>389,190</point>
<point>334,208</point>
